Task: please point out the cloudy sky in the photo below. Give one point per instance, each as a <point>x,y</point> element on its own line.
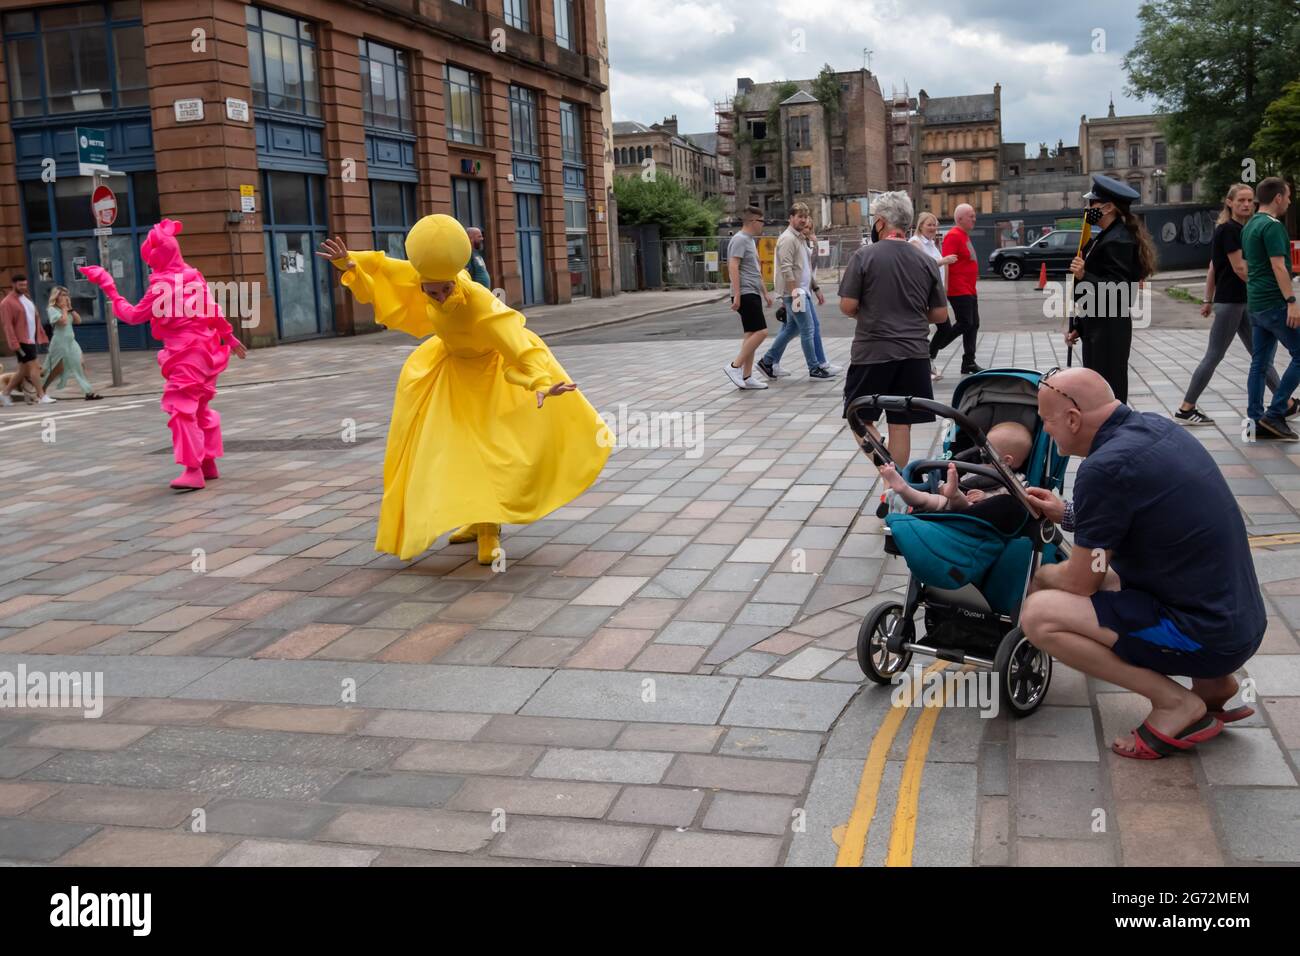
<point>679,56</point>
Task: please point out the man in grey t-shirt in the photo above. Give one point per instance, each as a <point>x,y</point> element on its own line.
<point>748,295</point>
<point>895,293</point>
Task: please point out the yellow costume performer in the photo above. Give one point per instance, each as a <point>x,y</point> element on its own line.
<point>471,443</point>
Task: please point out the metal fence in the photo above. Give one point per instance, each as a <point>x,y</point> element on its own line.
<point>696,263</point>
<point>701,262</point>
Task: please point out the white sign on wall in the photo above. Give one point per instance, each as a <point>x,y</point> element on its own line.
<point>187,111</point>
<point>236,110</point>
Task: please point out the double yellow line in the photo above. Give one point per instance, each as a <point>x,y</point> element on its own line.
<point>902,837</point>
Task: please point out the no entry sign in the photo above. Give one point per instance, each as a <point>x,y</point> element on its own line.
<point>104,206</point>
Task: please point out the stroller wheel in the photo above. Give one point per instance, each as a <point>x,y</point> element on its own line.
<point>1024,673</point>
<point>874,656</point>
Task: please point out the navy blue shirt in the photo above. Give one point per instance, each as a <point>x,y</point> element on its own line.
<point>1149,493</point>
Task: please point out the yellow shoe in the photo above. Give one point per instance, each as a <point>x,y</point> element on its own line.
<point>489,541</point>
<point>463,534</point>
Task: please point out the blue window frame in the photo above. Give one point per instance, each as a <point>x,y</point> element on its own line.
<point>523,122</point>
<point>463,94</point>
<point>571,132</point>
<point>282,62</point>
<point>566,33</point>
<point>392,211</point>
<point>294,211</point>
<point>57,227</point>
<point>75,58</point>
<point>518,14</point>
<point>385,87</point>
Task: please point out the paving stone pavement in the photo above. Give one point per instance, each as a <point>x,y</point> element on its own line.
<point>664,674</point>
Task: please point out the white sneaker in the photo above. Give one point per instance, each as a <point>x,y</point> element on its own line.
<point>752,382</point>
<point>46,400</point>
<point>5,400</point>
<point>935,374</point>
<point>736,375</point>
<point>780,372</point>
<point>833,369</point>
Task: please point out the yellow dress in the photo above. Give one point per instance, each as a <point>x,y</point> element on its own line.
<point>467,442</point>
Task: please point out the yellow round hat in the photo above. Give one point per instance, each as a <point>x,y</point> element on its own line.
<point>438,247</point>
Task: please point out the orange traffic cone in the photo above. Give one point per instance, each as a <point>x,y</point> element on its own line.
<point>1042,277</point>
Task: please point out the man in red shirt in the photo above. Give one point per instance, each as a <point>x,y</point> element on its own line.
<point>962,276</point>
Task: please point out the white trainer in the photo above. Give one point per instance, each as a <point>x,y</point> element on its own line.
<point>752,382</point>
<point>736,375</point>
<point>833,369</point>
<point>46,400</point>
<point>5,400</point>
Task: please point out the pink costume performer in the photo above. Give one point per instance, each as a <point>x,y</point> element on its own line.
<point>197,342</point>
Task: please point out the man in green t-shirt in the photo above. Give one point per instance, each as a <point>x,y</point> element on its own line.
<point>1271,304</point>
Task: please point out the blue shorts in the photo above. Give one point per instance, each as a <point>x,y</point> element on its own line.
<point>1148,637</point>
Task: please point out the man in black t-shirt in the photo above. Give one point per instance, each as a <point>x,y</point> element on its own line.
<point>1225,294</point>
<point>1160,581</point>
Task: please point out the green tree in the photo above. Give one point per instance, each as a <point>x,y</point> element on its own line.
<point>1277,144</point>
<point>666,203</point>
<point>826,88</point>
<point>1213,67</point>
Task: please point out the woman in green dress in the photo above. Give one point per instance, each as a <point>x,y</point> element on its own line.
<point>64,357</point>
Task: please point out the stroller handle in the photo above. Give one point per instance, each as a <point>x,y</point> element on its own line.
<point>908,403</point>
<point>967,467</point>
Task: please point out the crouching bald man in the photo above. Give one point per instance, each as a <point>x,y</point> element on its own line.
<point>1160,581</point>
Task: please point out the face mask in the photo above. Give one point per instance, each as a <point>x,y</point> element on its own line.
<point>1093,215</point>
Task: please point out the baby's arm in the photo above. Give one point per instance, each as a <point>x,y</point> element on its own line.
<point>920,500</point>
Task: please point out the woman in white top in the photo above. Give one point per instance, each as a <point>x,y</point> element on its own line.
<point>927,231</point>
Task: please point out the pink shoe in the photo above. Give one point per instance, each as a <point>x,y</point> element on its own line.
<point>210,469</point>
<point>191,479</point>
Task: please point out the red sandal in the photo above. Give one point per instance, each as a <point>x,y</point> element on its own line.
<point>1231,716</point>
<point>1151,744</point>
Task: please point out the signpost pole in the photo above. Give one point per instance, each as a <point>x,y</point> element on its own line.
<point>110,320</point>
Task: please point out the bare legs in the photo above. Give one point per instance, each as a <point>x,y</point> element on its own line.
<point>748,347</point>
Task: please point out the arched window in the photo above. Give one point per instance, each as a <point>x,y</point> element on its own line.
<point>650,151</point>
<point>640,153</point>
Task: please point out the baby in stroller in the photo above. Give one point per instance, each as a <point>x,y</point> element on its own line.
<point>1012,443</point>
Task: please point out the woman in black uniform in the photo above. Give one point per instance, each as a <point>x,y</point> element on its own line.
<point>1119,256</point>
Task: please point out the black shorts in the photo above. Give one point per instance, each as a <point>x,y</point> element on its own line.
<point>26,353</point>
<point>752,318</point>
<point>900,377</point>
<point>1148,637</point>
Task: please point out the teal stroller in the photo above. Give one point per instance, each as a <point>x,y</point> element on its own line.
<point>968,576</point>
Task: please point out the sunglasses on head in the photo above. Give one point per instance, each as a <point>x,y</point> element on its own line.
<point>1044,381</point>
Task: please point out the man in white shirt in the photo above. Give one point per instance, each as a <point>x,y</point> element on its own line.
<point>23,333</point>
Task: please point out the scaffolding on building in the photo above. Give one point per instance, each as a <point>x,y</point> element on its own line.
<point>900,139</point>
<point>726,125</point>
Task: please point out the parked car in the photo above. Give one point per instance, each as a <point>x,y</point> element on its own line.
<point>1056,249</point>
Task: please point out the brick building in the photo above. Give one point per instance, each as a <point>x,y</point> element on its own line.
<point>1052,180</point>
<point>775,150</point>
<point>344,117</point>
<point>961,151</point>
<point>687,160</point>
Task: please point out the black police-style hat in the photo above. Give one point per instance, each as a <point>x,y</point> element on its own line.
<point>1111,190</point>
